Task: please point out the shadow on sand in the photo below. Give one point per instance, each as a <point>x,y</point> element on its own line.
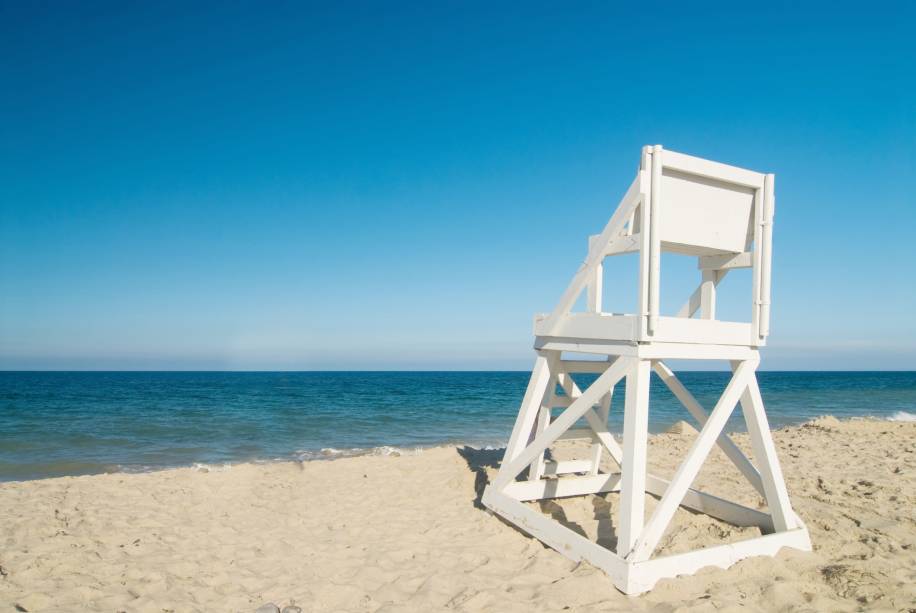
<point>480,460</point>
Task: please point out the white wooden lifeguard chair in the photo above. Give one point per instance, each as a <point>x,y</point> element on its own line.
<point>722,215</point>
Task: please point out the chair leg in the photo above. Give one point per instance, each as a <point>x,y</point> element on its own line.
<point>633,469</point>
<point>597,448</point>
<point>774,485</point>
<point>536,470</point>
<point>531,404</point>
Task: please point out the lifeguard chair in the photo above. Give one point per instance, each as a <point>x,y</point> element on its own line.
<point>723,215</point>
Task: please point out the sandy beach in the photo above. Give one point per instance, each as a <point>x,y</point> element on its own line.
<point>407,533</point>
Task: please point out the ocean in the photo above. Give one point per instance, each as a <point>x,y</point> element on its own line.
<point>72,423</point>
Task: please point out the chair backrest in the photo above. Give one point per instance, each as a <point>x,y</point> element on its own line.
<point>705,208</point>
<point>720,213</point>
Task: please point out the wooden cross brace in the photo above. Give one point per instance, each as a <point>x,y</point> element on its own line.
<point>631,565</point>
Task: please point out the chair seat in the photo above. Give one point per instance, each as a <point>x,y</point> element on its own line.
<point>630,329</point>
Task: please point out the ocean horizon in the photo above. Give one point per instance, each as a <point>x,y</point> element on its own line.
<point>58,423</point>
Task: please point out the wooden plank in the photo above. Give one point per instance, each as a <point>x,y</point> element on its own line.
<point>714,170</point>
<point>765,451</point>
<point>537,468</point>
<point>693,303</point>
<point>645,574</point>
<point>583,366</point>
<point>757,269</point>
<point>691,465</point>
<point>613,227</point>
<point>594,289</point>
<point>561,488</point>
<point>766,249</point>
<point>579,345</point>
<point>655,195</point>
<point>531,404</point>
<point>599,326</point>
<point>699,413</point>
<point>566,467</point>
<point>725,261</point>
<point>701,216</point>
<point>695,351</point>
<point>562,423</point>
<point>601,428</point>
<point>701,502</point>
<point>597,425</point>
<point>605,438</point>
<point>624,244</point>
<point>633,462</point>
<point>643,211</point>
<point>703,331</point>
<point>572,545</point>
<point>708,294</point>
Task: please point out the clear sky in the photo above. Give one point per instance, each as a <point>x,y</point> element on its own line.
<point>396,186</point>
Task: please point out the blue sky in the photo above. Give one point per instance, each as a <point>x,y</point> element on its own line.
<point>388,186</point>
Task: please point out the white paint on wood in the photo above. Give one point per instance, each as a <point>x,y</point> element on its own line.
<point>596,253</point>
<point>583,366</point>
<point>531,405</point>
<point>597,422</point>
<point>699,413</point>
<point>599,425</point>
<point>564,487</point>
<point>677,203</point>
<point>766,254</point>
<point>689,308</point>
<point>644,575</point>
<point>708,294</point>
<point>508,471</point>
<point>701,502</point>
<point>625,328</point>
<point>655,196</point>
<point>566,467</point>
<point>537,468</point>
<point>765,451</point>
<point>594,288</point>
<point>633,465</point>
<point>574,546</point>
<point>725,261</point>
<point>712,170</point>
<point>689,468</point>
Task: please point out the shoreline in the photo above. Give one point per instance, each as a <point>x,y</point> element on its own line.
<point>329,454</point>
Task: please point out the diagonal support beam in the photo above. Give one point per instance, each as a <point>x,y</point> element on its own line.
<point>596,253</point>
<point>561,424</point>
<point>693,304</point>
<point>536,470</point>
<point>531,404</point>
<point>601,413</point>
<point>690,467</point>
<point>632,513</point>
<point>758,427</point>
<point>724,442</point>
<point>594,419</point>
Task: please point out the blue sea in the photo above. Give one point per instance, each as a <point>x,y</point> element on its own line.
<point>71,423</point>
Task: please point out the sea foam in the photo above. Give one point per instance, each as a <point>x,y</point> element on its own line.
<point>330,453</point>
<point>902,416</point>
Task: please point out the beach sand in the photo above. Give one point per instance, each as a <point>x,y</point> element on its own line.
<point>407,533</point>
